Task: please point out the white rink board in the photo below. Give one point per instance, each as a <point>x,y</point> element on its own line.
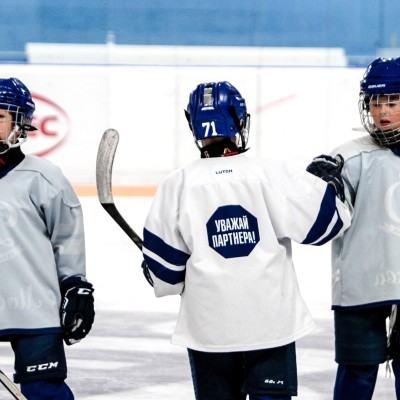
<point>297,113</point>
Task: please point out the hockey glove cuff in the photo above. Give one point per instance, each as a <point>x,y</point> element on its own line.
<point>77,309</point>
<point>329,169</point>
<point>146,273</point>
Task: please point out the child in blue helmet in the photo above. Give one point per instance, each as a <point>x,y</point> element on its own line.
<point>45,298</point>
<point>219,234</point>
<point>365,262</point>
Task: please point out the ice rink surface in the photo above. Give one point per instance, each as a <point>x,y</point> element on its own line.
<point>128,354</point>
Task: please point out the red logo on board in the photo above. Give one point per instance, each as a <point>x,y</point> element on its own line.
<point>53,126</point>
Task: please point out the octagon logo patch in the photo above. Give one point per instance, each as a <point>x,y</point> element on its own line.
<point>232,231</point>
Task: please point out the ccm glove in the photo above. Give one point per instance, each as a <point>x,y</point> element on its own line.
<point>329,169</point>
<point>77,309</point>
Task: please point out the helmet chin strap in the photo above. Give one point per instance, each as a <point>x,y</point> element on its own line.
<point>14,139</point>
<point>13,136</point>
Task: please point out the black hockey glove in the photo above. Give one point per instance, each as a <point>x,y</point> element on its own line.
<point>77,309</point>
<point>328,169</point>
<point>146,273</point>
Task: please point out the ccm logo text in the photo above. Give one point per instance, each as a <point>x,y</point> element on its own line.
<point>42,367</point>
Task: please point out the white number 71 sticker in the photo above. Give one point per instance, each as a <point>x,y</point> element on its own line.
<point>209,125</point>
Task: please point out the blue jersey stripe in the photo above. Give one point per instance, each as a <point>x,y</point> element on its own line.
<point>168,253</point>
<point>325,216</point>
<point>336,229</point>
<point>164,273</point>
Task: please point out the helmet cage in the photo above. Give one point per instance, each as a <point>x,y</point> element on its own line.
<point>19,127</point>
<point>382,78</point>
<point>242,137</point>
<point>16,99</point>
<point>387,136</point>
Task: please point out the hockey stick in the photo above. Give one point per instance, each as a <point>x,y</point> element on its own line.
<point>9,385</point>
<point>104,164</point>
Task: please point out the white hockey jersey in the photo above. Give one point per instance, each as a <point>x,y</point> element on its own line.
<point>219,233</point>
<point>41,244</point>
<point>365,260</point>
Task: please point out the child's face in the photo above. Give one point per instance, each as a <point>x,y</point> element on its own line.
<point>385,111</point>
<point>5,124</point>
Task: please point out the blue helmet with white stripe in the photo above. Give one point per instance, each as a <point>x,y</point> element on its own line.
<point>217,109</point>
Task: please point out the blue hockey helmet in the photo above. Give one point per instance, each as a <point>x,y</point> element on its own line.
<point>381,78</point>
<point>218,110</point>
<point>16,99</point>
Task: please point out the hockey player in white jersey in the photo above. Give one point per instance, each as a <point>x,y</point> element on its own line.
<point>365,260</point>
<point>44,295</point>
<point>219,234</point>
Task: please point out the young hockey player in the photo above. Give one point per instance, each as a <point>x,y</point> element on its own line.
<point>44,296</point>
<point>365,261</point>
<point>219,234</point>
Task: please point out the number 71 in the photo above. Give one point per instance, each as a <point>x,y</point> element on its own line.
<point>207,125</point>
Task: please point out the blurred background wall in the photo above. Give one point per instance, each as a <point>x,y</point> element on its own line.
<point>131,64</point>
<point>360,27</point>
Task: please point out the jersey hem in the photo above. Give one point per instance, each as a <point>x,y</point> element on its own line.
<point>365,306</point>
<point>30,332</point>
<point>247,347</point>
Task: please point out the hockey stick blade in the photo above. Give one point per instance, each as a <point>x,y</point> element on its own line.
<point>104,166</point>
<point>9,385</point>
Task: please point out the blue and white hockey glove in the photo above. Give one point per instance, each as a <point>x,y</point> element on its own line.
<point>329,169</point>
<point>77,309</point>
